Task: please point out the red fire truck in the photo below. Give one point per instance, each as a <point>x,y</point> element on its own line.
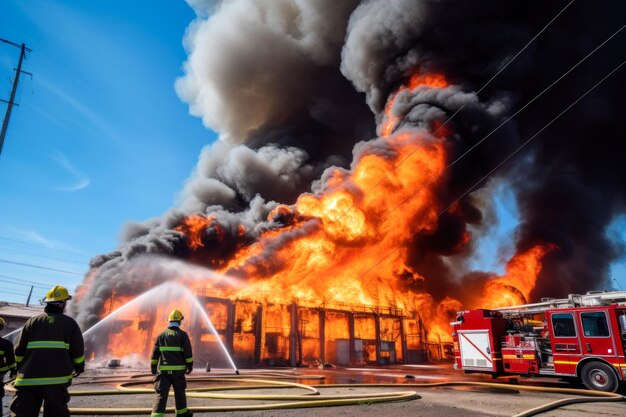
<point>582,336</point>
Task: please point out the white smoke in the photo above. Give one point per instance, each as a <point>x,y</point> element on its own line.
<point>237,86</point>
<point>291,86</point>
<point>377,30</point>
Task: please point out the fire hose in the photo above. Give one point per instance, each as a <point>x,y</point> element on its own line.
<point>315,399</point>
<point>592,396</point>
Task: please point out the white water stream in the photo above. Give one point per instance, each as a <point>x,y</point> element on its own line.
<point>165,294</point>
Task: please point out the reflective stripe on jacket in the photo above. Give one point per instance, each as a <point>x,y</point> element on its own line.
<point>172,350</point>
<point>7,358</point>
<point>49,347</point>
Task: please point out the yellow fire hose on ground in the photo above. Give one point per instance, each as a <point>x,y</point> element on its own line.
<point>313,398</point>
<point>592,396</point>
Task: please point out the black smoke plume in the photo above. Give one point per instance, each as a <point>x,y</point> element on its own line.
<point>295,87</point>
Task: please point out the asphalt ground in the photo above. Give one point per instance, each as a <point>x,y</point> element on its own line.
<point>436,402</point>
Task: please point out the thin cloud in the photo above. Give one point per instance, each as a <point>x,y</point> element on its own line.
<point>59,22</point>
<point>36,238</point>
<point>81,180</point>
<point>33,236</point>
<point>45,114</point>
<point>87,113</point>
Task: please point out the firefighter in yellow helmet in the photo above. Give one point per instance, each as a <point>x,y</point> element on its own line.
<point>172,359</point>
<point>7,361</point>
<point>49,352</point>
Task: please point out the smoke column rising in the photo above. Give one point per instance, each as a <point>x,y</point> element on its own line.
<point>298,91</point>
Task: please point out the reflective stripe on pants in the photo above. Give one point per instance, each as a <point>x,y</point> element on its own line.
<point>162,386</point>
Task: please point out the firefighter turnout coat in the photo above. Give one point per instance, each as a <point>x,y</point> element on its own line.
<point>48,351</point>
<point>172,351</point>
<point>7,358</point>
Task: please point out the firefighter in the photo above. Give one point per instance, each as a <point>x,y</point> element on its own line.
<point>7,361</point>
<point>49,352</point>
<point>172,358</point>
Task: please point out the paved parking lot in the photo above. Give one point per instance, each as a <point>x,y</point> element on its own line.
<point>431,401</point>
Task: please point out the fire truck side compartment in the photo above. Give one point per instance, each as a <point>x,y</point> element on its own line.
<point>478,341</point>
<point>519,354</point>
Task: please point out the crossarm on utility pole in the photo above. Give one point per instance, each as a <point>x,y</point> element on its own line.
<point>11,102</point>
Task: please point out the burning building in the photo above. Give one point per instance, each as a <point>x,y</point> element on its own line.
<point>351,184</point>
<point>255,332</point>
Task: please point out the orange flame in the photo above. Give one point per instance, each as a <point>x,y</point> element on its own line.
<point>194,226</point>
<point>349,245</point>
<point>330,249</point>
<point>132,333</point>
<point>340,237</point>
<point>515,286</point>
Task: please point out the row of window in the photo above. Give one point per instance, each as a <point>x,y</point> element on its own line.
<point>594,324</point>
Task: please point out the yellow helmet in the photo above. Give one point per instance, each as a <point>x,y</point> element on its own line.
<point>2,323</point>
<point>175,315</point>
<point>56,294</point>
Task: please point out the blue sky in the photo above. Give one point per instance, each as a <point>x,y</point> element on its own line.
<point>99,137</point>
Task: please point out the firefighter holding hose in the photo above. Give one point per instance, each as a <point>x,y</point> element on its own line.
<point>49,352</point>
<point>7,361</point>
<point>172,359</point>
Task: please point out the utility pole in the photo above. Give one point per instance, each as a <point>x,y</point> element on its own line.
<point>29,294</point>
<point>11,102</point>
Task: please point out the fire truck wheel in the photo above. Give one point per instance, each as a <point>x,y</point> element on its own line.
<point>599,376</point>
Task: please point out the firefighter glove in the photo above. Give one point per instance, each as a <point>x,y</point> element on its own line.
<point>189,369</point>
<point>79,368</point>
<point>153,369</point>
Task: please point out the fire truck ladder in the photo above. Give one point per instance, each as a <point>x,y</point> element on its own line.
<point>592,298</point>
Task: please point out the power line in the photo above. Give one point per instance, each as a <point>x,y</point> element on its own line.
<point>14,293</point>
<point>9,282</point>
<point>40,267</point>
<point>418,190</point>
<point>430,135</point>
<point>42,256</point>
<point>35,294</point>
<point>24,294</point>
<point>515,56</point>
<point>12,282</point>
<point>40,246</point>
<point>537,96</point>
<point>25,280</point>
<point>473,187</point>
